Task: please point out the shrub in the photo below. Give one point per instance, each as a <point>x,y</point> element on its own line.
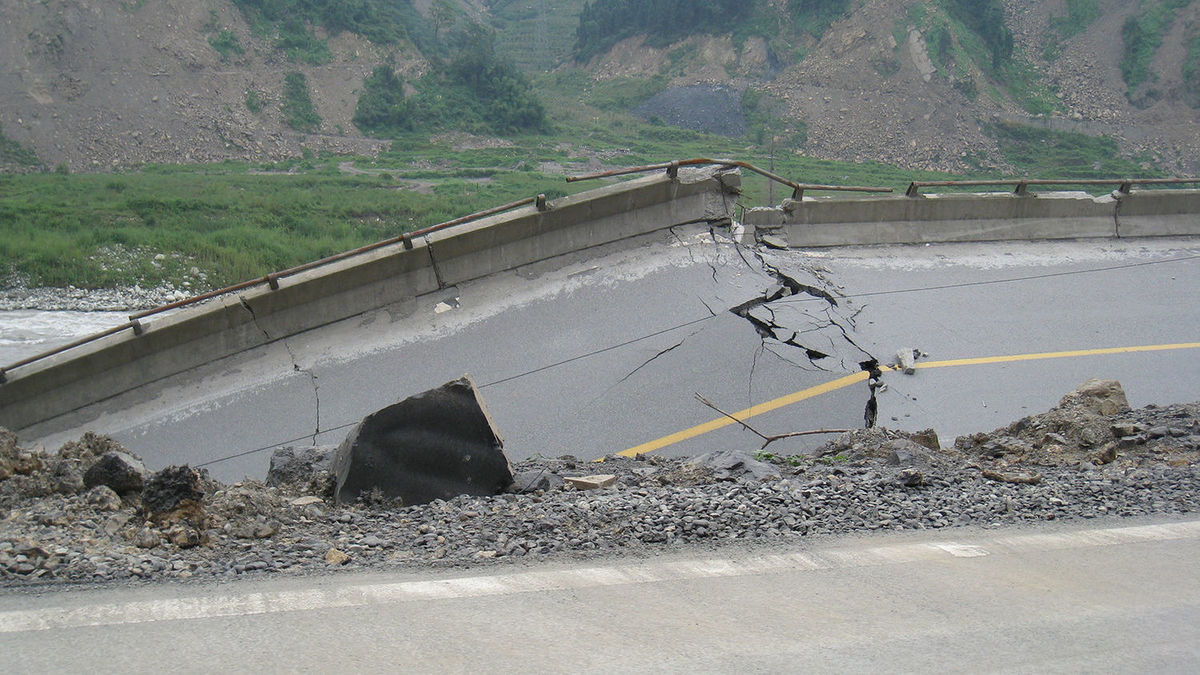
<point>253,101</point>
<point>226,43</point>
<point>298,111</point>
<point>382,108</point>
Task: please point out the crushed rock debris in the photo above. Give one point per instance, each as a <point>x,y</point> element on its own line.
<point>1087,463</point>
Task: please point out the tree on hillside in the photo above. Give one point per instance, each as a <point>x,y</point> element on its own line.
<point>382,108</point>
<point>442,15</point>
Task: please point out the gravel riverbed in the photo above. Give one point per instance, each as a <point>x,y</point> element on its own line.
<point>1078,460</point>
<point>16,295</point>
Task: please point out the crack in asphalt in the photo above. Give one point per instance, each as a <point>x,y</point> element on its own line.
<point>295,366</point>
<point>652,359</point>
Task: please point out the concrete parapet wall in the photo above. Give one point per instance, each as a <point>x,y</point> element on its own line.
<point>193,336</point>
<point>579,222</point>
<point>981,217</point>
<point>946,218</point>
<point>1159,213</point>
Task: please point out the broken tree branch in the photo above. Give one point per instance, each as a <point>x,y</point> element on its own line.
<point>767,440</point>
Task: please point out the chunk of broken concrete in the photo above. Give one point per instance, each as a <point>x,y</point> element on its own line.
<point>906,360</point>
<point>120,471</point>
<point>775,240</point>
<point>1104,397</point>
<point>530,481</point>
<point>594,482</point>
<point>298,466</point>
<point>436,445</point>
<point>735,465</point>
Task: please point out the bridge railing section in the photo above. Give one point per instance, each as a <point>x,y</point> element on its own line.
<point>1022,185</point>
<point>672,169</point>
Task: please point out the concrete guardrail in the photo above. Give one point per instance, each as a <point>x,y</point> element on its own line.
<point>980,217</point>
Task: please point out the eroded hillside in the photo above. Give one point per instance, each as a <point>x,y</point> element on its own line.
<point>94,85</point>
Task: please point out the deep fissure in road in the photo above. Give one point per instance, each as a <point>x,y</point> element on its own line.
<point>790,294</point>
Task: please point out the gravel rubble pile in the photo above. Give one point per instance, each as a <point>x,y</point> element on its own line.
<point>58,525</point>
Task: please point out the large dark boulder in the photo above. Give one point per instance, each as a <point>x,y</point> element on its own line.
<point>120,471</point>
<point>171,488</point>
<point>435,445</point>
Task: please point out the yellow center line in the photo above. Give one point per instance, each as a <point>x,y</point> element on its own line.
<point>843,382</point>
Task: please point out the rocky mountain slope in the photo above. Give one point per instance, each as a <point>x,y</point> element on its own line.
<point>93,85</point>
<point>99,85</point>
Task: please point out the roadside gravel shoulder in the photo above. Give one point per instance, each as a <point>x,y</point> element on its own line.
<point>1071,463</point>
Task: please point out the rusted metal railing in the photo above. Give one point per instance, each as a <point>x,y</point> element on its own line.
<point>1124,185</point>
<point>672,169</point>
<point>271,280</point>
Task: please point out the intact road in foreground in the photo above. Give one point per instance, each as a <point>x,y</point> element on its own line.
<point>1109,596</point>
<point>604,351</point>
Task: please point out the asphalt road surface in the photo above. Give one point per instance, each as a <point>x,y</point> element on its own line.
<point>1105,596</point>
<point>604,351</point>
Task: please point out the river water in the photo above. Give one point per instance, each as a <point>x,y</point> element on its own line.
<point>26,332</point>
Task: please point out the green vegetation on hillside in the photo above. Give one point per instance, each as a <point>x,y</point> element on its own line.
<point>536,35</point>
<point>254,101</point>
<point>964,37</point>
<point>382,109</point>
<point>1042,153</point>
<point>1141,36</point>
<point>298,111</point>
<point>604,23</point>
<point>16,155</point>
<point>986,18</point>
<point>1191,72</point>
<point>226,44</point>
<point>816,16</point>
<point>1080,14</point>
<point>475,91</point>
<point>381,21</point>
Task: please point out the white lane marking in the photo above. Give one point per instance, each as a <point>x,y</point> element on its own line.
<point>962,550</point>
<point>271,602</point>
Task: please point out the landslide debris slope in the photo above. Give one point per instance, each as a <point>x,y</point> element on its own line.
<point>101,86</point>
<point>1090,456</point>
